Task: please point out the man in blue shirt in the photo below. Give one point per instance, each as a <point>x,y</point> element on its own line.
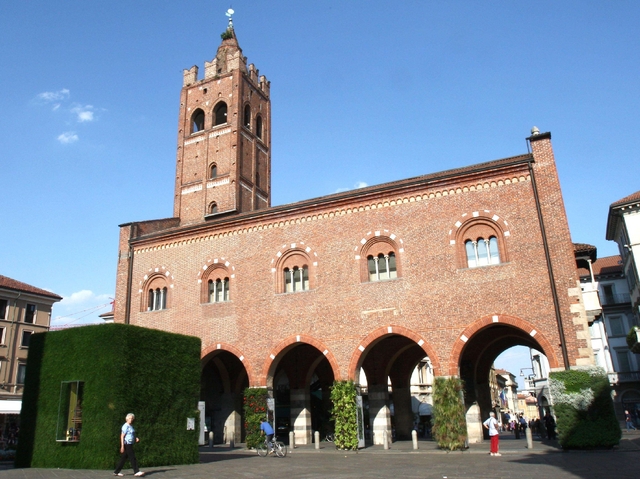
<point>266,429</point>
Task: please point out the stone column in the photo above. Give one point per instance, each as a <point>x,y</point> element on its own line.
<point>474,424</point>
<point>403,417</point>
<point>379,413</point>
<point>301,415</point>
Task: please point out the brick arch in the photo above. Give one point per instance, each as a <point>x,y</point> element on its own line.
<point>486,321</point>
<point>379,235</point>
<point>483,214</point>
<point>233,350</point>
<point>379,333</point>
<point>286,248</point>
<point>300,338</point>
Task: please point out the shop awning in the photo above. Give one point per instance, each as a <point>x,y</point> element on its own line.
<point>10,407</point>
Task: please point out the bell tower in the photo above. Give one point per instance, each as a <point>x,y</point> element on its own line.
<point>223,164</point>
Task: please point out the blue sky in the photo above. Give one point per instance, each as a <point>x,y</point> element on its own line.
<point>363,92</point>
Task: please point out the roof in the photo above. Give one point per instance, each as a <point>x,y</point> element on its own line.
<point>603,266</point>
<point>632,198</point>
<point>16,285</point>
<point>617,210</point>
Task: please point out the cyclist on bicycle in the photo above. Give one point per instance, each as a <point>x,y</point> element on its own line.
<point>266,429</point>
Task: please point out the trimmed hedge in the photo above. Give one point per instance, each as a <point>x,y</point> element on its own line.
<point>255,408</point>
<point>449,420</point>
<point>154,374</point>
<point>583,407</point>
<point>345,415</point>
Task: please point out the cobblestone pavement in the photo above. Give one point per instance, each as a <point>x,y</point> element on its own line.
<point>545,461</point>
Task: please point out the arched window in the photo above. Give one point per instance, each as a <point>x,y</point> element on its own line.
<point>247,117</point>
<point>296,279</point>
<point>215,284</point>
<point>220,113</point>
<point>213,173</point>
<point>382,266</point>
<point>197,121</point>
<point>157,294</point>
<point>218,290</point>
<point>259,126</point>
<point>482,252</point>
<point>379,260</point>
<point>213,208</point>
<point>481,243</point>
<point>294,272</point>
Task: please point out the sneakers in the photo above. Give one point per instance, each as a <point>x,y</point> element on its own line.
<point>118,474</point>
<point>139,474</point>
<point>497,454</point>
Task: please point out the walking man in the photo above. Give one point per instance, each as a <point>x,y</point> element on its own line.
<point>629,421</point>
<point>127,440</point>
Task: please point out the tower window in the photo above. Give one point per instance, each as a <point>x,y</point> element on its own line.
<point>197,121</point>
<point>214,171</point>
<point>213,208</point>
<point>220,113</point>
<point>247,116</point>
<point>259,126</point>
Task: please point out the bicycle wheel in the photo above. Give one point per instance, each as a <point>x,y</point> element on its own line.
<point>262,449</point>
<point>281,449</point>
<point>329,437</point>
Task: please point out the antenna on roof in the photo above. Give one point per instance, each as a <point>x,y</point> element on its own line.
<point>229,13</point>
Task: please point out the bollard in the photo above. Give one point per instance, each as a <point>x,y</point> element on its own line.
<point>316,439</point>
<point>210,438</point>
<point>292,440</point>
<point>414,438</point>
<point>529,438</point>
<point>385,440</point>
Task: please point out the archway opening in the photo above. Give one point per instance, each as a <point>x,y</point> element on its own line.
<point>395,379</point>
<point>222,384</point>
<point>504,370</point>
<point>301,380</point>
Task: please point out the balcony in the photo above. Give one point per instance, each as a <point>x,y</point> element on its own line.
<point>617,378</point>
<point>591,305</point>
<point>614,299</point>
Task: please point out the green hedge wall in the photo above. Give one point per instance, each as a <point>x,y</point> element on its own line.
<point>345,415</point>
<point>583,407</point>
<point>153,374</point>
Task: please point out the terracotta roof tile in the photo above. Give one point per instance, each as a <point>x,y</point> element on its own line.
<point>603,266</point>
<point>627,199</point>
<point>16,285</point>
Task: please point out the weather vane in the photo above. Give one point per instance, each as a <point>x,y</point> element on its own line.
<point>228,14</point>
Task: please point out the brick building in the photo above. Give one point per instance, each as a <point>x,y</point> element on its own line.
<point>455,266</point>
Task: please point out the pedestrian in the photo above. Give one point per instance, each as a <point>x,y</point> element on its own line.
<point>629,421</point>
<point>127,439</point>
<point>494,433</point>
<point>550,426</point>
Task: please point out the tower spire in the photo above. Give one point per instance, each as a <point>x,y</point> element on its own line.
<point>229,14</point>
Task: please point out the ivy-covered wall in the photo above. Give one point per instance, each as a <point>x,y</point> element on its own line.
<point>255,409</point>
<point>449,420</point>
<point>153,374</point>
<point>345,415</point>
<point>584,409</point>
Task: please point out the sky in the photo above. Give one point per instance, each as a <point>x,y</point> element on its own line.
<point>363,92</point>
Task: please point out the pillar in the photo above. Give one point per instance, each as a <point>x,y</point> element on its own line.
<point>301,415</point>
<point>403,414</point>
<point>379,413</point>
<point>474,424</point>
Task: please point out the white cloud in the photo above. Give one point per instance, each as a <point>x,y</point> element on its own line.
<point>68,137</point>
<point>51,96</point>
<point>359,184</point>
<point>81,307</point>
<point>84,113</point>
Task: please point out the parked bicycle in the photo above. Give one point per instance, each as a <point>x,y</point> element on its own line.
<point>277,447</point>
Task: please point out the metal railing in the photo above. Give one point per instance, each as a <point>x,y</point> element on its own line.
<point>618,298</point>
<point>616,378</point>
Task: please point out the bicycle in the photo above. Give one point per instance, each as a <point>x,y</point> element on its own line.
<point>278,447</point>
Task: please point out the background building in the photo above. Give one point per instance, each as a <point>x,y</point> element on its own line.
<point>24,310</point>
